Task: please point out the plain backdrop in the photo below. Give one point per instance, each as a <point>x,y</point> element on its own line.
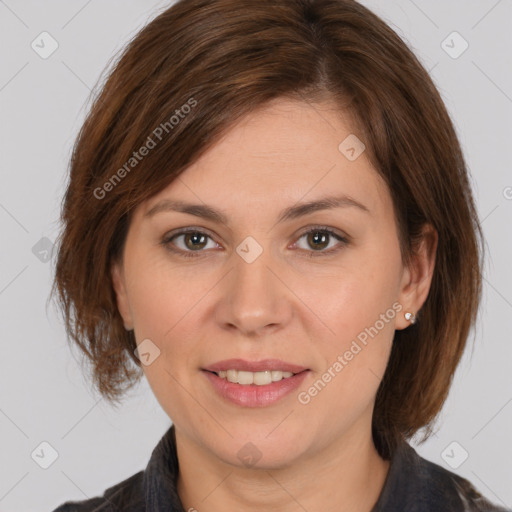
<point>44,398</point>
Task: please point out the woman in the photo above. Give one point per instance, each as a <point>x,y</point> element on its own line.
<point>269,216</point>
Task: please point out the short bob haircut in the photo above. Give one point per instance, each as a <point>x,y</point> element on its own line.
<point>178,86</point>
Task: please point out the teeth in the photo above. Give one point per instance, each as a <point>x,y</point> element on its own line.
<point>245,378</point>
<point>257,378</point>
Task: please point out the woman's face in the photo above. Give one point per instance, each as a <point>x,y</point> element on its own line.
<point>263,284</point>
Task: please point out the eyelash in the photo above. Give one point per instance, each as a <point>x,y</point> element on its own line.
<point>166,242</point>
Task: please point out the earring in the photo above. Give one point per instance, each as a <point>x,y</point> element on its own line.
<point>411,317</point>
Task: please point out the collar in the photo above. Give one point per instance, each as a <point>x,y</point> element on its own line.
<point>161,476</point>
<point>413,483</point>
<point>416,484</point>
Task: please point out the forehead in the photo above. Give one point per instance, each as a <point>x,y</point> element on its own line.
<point>284,152</point>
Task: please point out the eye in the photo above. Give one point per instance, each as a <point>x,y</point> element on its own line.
<point>193,239</point>
<point>320,237</point>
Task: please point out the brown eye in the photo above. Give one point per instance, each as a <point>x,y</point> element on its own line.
<point>195,240</point>
<point>186,243</point>
<point>318,239</point>
<point>321,238</point>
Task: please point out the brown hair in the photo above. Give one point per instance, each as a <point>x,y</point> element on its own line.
<point>202,64</point>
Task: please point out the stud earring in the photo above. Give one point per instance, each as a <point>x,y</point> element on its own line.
<point>411,317</point>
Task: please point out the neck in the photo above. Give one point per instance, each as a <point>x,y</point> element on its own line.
<point>347,475</point>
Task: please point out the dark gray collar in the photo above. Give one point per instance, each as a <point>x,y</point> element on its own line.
<point>413,484</point>
<point>161,476</point>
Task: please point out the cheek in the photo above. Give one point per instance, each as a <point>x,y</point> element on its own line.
<point>353,365</point>
<point>359,305</point>
<point>164,302</point>
<point>162,294</point>
<point>355,296</point>
<point>168,302</point>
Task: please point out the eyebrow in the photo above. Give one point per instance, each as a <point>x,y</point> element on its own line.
<point>290,213</point>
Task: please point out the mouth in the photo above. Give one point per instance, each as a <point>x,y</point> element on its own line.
<point>254,383</point>
<point>246,378</point>
<point>259,373</point>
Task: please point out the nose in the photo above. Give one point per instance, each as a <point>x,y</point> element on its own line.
<point>254,299</point>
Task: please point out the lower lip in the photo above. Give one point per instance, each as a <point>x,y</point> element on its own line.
<point>252,395</point>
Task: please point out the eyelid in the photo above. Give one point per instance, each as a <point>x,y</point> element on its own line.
<point>323,227</point>
<point>189,229</point>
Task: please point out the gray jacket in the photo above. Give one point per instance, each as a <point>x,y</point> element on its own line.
<point>413,484</point>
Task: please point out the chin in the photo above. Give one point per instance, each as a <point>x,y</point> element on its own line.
<point>251,456</point>
<point>261,447</point>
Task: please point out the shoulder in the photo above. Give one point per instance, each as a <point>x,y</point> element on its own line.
<point>470,498</point>
<point>417,484</point>
<point>153,488</point>
<point>441,487</point>
<point>127,495</point>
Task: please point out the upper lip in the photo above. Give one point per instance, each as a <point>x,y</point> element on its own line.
<point>254,366</point>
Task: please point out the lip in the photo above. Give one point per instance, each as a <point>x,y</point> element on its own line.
<point>252,395</point>
<point>254,366</point>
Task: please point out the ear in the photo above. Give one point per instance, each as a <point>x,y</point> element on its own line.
<point>417,276</point>
<point>123,306</point>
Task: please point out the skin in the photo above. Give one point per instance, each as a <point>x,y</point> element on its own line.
<point>284,305</point>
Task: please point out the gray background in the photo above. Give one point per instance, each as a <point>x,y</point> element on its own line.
<point>43,395</point>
